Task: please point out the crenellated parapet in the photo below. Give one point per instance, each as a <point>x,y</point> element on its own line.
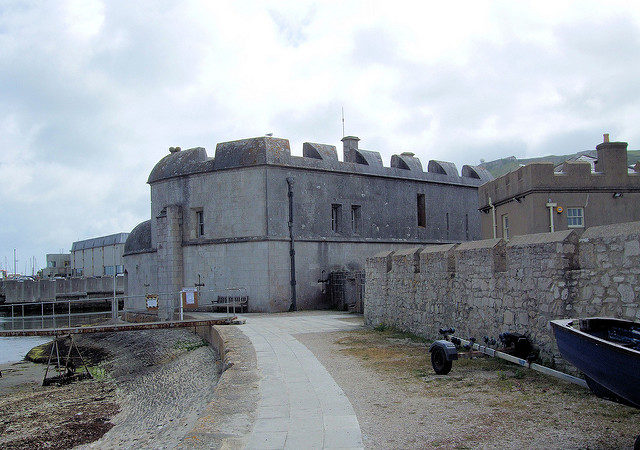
<point>611,173</point>
<point>487,287</point>
<point>268,150</point>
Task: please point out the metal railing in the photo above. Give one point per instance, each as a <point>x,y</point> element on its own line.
<point>60,313</point>
<point>55,313</point>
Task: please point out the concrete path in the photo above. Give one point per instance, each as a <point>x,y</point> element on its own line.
<point>301,406</point>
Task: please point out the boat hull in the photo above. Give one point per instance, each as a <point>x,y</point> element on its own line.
<point>612,366</point>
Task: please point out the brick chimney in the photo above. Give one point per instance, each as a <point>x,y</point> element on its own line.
<point>350,145</point>
<point>612,157</point>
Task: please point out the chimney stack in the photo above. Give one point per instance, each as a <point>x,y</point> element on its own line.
<point>612,158</point>
<point>349,148</point>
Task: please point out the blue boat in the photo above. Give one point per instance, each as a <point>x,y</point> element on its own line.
<point>607,351</point>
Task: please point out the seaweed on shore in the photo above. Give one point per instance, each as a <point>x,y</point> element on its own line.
<point>93,355</point>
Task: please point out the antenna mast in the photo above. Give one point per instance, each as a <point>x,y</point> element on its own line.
<point>343,121</point>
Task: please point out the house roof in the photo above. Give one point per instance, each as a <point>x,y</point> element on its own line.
<point>112,239</point>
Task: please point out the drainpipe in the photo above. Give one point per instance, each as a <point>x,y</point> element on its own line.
<point>551,206</point>
<point>292,252</point>
<point>493,218</point>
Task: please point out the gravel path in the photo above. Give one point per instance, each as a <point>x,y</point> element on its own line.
<point>165,379</point>
<point>400,403</point>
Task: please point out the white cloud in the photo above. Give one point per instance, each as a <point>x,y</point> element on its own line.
<point>95,92</point>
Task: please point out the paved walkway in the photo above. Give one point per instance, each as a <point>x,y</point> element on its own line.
<point>301,406</point>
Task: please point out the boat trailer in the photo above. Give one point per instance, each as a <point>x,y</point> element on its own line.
<point>444,352</point>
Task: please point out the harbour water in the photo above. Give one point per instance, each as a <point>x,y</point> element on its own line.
<point>14,349</point>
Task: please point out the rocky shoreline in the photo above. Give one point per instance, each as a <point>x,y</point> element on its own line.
<point>147,392</point>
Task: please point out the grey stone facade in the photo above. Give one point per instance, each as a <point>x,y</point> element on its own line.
<point>226,218</point>
<point>486,287</point>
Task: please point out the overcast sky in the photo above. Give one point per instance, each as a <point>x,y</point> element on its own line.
<point>94,93</point>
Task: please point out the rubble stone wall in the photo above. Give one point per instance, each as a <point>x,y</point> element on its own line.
<point>484,288</point>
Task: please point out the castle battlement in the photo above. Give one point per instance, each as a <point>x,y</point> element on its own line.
<point>268,150</point>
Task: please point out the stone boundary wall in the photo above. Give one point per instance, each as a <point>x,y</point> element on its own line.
<point>228,420</point>
<point>13,291</point>
<point>484,288</point>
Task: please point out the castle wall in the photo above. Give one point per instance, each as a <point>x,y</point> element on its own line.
<point>142,279</point>
<point>484,288</point>
<point>387,207</point>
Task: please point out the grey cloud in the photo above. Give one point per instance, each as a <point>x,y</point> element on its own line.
<point>291,28</point>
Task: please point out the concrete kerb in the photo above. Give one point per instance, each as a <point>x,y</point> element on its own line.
<point>228,420</point>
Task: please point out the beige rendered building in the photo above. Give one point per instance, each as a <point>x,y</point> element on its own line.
<point>535,199</point>
<point>58,265</point>
<point>97,257</point>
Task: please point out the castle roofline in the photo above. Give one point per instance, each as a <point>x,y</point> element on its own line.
<point>266,150</point>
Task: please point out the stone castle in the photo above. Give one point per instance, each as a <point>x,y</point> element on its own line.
<point>256,217</point>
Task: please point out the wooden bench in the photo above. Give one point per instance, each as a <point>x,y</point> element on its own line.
<point>240,302</point>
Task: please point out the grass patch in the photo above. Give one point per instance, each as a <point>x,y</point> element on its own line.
<point>394,333</point>
<point>98,373</point>
<point>189,345</point>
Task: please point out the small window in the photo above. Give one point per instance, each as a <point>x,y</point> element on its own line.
<point>200,223</point>
<point>575,217</point>
<point>422,211</point>
<point>336,212</point>
<point>355,219</point>
<point>505,226</point>
<point>108,270</point>
<point>448,232</point>
<point>119,268</point>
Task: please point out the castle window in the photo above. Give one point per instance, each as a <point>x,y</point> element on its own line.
<point>422,211</point>
<point>355,219</point>
<point>448,232</point>
<point>575,217</point>
<point>336,212</point>
<point>505,226</point>
<point>200,223</point>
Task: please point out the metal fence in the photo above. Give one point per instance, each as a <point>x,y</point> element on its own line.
<point>81,312</point>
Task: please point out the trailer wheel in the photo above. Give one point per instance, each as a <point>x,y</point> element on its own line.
<point>441,365</point>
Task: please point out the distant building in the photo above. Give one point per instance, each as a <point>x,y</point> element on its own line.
<point>257,218</point>
<point>99,256</point>
<point>583,193</point>
<point>58,265</point>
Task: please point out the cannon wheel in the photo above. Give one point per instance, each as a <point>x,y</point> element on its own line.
<point>441,365</point>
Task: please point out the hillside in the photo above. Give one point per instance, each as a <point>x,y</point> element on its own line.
<point>502,166</point>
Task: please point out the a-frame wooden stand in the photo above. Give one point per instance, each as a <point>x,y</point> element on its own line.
<point>65,373</point>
